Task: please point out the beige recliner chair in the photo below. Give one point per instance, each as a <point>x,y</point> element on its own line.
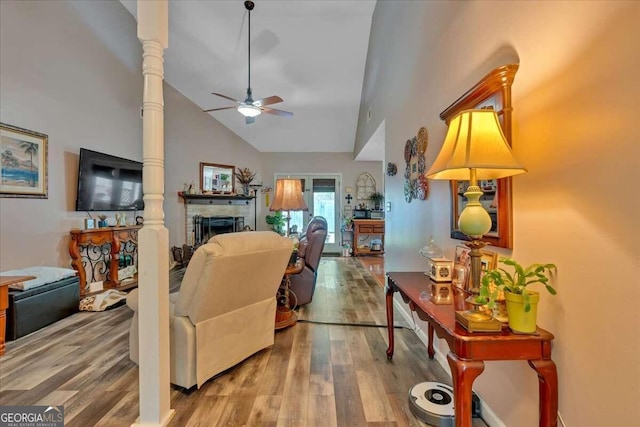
<point>225,309</point>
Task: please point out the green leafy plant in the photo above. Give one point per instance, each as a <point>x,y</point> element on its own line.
<point>347,222</point>
<point>500,280</point>
<point>376,197</point>
<point>276,221</point>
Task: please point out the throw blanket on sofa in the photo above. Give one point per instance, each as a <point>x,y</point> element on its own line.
<point>43,275</point>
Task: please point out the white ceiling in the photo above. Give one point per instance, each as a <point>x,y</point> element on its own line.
<point>311,53</point>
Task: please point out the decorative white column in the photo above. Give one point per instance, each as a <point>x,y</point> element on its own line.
<point>153,238</point>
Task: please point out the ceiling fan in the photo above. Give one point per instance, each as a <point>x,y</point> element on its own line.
<point>250,108</point>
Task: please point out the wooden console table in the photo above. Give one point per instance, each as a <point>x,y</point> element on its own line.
<point>5,281</point>
<point>100,260</point>
<point>367,226</point>
<point>469,350</point>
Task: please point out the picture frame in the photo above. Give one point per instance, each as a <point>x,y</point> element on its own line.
<point>24,166</point>
<point>489,260</point>
<point>462,255</point>
<point>216,178</point>
<point>461,267</point>
<point>460,276</point>
<point>494,92</point>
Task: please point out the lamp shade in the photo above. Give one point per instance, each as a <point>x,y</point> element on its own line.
<point>288,196</point>
<point>475,141</point>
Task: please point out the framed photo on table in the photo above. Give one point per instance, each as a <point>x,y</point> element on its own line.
<point>489,261</point>
<point>461,267</point>
<point>24,163</point>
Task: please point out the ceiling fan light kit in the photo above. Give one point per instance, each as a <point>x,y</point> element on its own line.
<point>249,108</point>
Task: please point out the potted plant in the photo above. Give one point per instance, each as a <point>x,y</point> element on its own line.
<point>522,303</point>
<point>376,198</point>
<point>347,222</point>
<point>276,221</point>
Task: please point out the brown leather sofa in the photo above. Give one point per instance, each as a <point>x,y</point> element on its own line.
<point>310,249</point>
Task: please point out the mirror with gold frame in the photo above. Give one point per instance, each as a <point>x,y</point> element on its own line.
<point>216,178</point>
<point>493,91</point>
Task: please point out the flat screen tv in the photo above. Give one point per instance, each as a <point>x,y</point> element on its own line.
<point>108,183</point>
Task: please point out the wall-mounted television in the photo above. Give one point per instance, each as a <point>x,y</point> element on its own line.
<point>108,183</point>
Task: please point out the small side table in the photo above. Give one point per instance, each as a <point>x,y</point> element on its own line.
<point>285,315</point>
<point>5,281</point>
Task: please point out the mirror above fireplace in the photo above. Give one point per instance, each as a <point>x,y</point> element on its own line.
<point>217,178</point>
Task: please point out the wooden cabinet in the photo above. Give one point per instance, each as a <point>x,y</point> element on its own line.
<point>370,227</point>
<point>98,254</point>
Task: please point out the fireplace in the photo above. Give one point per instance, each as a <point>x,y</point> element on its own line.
<point>205,227</point>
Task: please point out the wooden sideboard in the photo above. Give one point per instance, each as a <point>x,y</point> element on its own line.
<point>368,227</point>
<point>97,254</point>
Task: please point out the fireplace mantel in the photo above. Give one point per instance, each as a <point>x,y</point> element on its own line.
<point>215,199</point>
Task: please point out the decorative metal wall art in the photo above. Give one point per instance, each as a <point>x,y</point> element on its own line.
<point>365,186</point>
<point>392,169</point>
<point>416,185</point>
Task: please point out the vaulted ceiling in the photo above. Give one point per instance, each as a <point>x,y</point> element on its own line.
<point>310,53</point>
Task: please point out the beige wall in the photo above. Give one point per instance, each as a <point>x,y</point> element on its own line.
<point>80,83</point>
<point>331,163</point>
<point>191,137</point>
<point>60,79</point>
<point>576,110</point>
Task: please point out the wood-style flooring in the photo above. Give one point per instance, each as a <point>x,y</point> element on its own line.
<point>315,374</point>
<point>375,266</point>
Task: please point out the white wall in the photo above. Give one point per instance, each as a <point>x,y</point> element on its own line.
<point>576,109</point>
<point>72,70</point>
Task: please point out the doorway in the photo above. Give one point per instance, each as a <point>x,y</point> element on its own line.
<point>322,194</point>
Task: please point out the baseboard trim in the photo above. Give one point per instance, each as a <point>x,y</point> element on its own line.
<point>163,423</point>
<point>488,416</point>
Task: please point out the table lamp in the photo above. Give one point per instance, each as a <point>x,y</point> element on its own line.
<point>475,148</point>
<point>288,198</point>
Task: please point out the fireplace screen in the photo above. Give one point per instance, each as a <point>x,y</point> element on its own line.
<point>205,227</point>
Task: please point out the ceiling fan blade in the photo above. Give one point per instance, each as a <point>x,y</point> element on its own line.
<point>267,101</point>
<point>225,97</point>
<point>276,112</point>
<point>218,109</point>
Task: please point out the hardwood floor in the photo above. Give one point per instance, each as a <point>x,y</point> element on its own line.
<point>375,265</point>
<point>314,375</point>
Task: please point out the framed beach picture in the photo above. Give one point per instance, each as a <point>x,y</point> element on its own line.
<point>24,163</point>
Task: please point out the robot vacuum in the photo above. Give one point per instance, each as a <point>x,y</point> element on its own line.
<point>432,403</point>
